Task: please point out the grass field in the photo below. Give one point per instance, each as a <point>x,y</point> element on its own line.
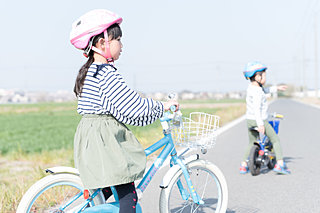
<point>37,136</point>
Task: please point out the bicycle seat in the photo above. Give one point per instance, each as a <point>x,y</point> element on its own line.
<point>253,129</point>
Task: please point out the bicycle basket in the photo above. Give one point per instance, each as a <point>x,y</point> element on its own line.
<point>197,131</point>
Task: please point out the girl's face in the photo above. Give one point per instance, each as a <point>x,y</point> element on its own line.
<point>115,48</point>
<point>261,78</point>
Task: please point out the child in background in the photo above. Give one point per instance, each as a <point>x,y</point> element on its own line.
<point>257,114</point>
<point>106,153</point>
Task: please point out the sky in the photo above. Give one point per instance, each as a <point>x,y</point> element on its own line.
<point>168,45</point>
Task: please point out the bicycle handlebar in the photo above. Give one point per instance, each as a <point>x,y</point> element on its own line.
<point>279,116</point>
<point>275,115</point>
<point>173,113</point>
<point>173,108</point>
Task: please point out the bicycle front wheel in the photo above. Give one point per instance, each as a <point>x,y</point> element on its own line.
<point>53,193</point>
<point>209,183</point>
<point>254,163</point>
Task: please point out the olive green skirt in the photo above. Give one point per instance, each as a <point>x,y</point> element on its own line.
<point>106,153</point>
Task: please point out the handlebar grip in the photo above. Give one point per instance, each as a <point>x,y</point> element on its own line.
<point>173,108</point>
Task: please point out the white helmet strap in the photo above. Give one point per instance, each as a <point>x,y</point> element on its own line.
<point>106,54</point>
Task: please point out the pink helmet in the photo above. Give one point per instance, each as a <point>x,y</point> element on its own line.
<point>91,24</point>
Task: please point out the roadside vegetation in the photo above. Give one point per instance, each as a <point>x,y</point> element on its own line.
<point>34,137</point>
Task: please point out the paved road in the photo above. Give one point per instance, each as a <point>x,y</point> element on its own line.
<point>268,192</point>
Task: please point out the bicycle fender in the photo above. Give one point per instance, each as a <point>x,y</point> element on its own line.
<point>174,169</point>
<point>257,143</point>
<point>62,169</point>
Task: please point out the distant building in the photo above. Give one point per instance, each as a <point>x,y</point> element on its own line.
<point>187,95</point>
<point>19,96</point>
<point>308,93</point>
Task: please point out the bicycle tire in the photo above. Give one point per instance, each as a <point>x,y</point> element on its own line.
<point>253,166</point>
<point>46,193</point>
<point>219,200</point>
<point>272,160</point>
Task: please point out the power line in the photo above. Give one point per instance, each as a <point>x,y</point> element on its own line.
<point>306,21</point>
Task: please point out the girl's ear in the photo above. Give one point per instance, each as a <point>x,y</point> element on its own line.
<point>257,78</point>
<point>100,43</point>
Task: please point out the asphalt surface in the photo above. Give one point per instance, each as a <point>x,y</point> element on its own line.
<point>267,192</point>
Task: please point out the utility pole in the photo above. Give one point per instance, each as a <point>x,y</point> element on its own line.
<point>304,87</point>
<point>296,83</point>
<point>316,54</point>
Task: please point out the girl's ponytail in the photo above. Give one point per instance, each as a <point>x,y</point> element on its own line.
<point>82,75</point>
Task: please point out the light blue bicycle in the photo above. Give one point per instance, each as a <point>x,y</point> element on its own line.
<point>190,185</point>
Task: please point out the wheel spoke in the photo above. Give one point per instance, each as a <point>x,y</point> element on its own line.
<point>196,208</point>
<point>206,185</point>
<point>53,193</point>
<point>183,207</point>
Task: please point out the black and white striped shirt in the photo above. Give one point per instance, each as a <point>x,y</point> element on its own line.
<point>105,92</point>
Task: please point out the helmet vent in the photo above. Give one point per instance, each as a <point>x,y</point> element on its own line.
<point>78,23</point>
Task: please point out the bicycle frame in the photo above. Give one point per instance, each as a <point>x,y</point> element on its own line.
<point>262,143</point>
<point>168,149</point>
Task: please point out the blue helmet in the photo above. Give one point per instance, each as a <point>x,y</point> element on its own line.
<point>252,68</point>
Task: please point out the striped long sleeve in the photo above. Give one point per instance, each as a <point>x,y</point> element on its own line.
<point>104,85</point>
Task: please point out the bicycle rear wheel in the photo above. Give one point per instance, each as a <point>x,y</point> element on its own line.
<point>52,193</point>
<point>208,182</point>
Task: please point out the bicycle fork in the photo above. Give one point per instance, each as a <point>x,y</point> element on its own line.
<point>185,193</point>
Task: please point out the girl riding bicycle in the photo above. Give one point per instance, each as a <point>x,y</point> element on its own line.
<point>106,153</point>
<point>257,114</point>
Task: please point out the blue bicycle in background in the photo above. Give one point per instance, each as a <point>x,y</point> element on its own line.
<point>262,153</point>
<point>190,185</point>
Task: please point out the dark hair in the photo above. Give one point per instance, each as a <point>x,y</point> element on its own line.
<point>114,32</point>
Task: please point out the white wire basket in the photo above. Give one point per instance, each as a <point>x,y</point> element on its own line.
<point>199,131</point>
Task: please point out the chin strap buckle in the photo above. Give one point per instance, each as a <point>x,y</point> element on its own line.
<point>88,48</point>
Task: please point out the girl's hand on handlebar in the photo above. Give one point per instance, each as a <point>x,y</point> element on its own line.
<point>168,104</point>
<point>261,129</point>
